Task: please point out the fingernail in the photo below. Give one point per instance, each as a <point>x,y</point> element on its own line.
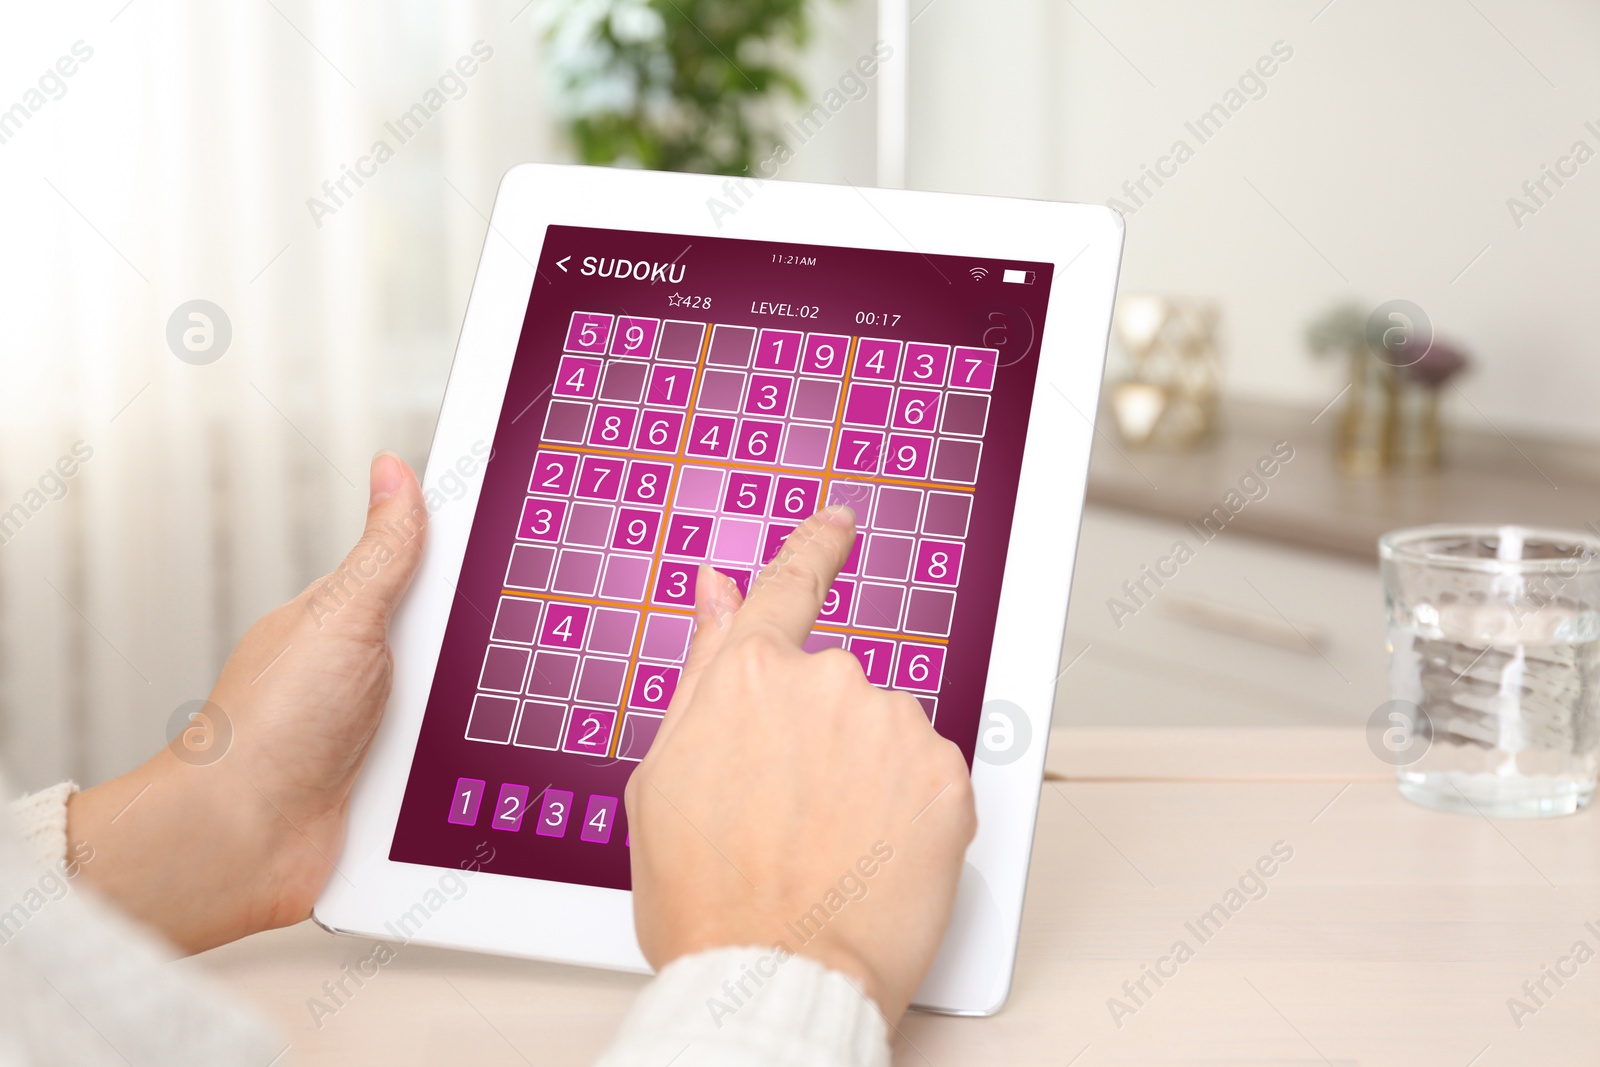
<point>386,477</point>
<point>842,515</point>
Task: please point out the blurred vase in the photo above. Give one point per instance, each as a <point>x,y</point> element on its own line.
<point>1169,399</point>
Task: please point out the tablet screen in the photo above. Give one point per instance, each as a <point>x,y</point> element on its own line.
<point>680,400</point>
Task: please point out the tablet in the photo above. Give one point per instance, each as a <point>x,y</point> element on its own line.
<point>661,370</point>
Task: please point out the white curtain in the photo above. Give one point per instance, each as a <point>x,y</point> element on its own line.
<point>174,163</point>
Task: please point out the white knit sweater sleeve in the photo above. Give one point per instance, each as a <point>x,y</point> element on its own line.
<point>733,1007</point>
<point>82,984</point>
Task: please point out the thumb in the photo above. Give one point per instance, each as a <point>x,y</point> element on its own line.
<point>378,570</point>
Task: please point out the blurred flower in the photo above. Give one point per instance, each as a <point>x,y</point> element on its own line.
<point>1438,365</point>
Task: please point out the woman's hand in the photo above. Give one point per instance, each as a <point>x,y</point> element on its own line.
<point>787,801</point>
<point>212,844</point>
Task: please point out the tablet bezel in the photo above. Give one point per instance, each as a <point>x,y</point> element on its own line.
<point>374,896</point>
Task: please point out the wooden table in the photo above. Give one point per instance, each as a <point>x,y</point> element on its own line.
<point>1392,935</point>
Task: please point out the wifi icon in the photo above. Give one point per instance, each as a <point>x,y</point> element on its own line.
<point>978,274</point>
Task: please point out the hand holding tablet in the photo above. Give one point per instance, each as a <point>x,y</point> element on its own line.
<point>789,802</point>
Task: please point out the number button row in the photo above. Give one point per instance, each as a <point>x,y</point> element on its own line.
<point>555,810</point>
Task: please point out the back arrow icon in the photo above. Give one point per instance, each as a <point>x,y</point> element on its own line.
<point>562,263</point>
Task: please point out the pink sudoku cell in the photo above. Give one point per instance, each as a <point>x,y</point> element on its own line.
<point>688,536</point>
<point>907,455</point>
<point>747,493</point>
<point>925,364</point>
<point>646,482</point>
<point>710,437</point>
<point>659,431</point>
<point>916,410</point>
<point>876,360</point>
<point>636,530</point>
<point>973,368</point>
<point>653,687</point>
<point>859,451</point>
<point>553,472</point>
<point>577,376</point>
<point>588,332</point>
<point>876,655</point>
<point>768,395</point>
<point>613,426</point>
<point>758,440</point>
<point>635,337</point>
<point>919,667</point>
<point>542,519</point>
<point>600,478</point>
<point>669,386</point>
<point>825,353</point>
<point>778,350</point>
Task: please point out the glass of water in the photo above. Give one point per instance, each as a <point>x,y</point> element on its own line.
<point>1494,668</point>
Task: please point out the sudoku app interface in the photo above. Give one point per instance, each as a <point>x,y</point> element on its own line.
<point>676,401</point>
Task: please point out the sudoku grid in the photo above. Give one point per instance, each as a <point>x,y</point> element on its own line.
<point>669,443</point>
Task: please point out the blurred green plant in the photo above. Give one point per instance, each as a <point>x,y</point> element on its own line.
<point>673,84</point>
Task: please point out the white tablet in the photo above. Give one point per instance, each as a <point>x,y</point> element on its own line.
<point>670,369</point>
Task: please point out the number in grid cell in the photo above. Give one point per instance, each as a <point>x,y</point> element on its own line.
<point>613,426</point>
<point>669,386</point>
<point>815,400</point>
<point>688,536</point>
<point>877,360</point>
<point>907,456</point>
<point>795,498</point>
<point>837,603</point>
<point>666,637</point>
<point>635,336</point>
<point>710,437</point>
<point>817,641</point>
<point>491,718</point>
<point>611,630</point>
<point>915,409</point>
<point>589,731</point>
<point>504,669</point>
<point>768,395</point>
<point>588,332</point>
<point>600,478</point>
<point>659,431</point>
<point>878,605</point>
<point>465,801</point>
<point>868,404</point>
<point>966,414</point>
<point>530,567</point>
<point>896,509</point>
<point>598,819</point>
<point>825,353</point>
<point>758,440</point>
<point>680,341</point>
<point>888,557</point>
<point>947,514</point>
<point>925,364</point>
<point>624,381</point>
<point>674,584</point>
<point>565,422</point>
<point>516,620</point>
<point>564,625</point>
<point>638,734</point>
<point>955,460</point>
<point>778,350</point>
<point>730,346</point>
<point>699,488</point>
<point>807,446</point>
<point>553,472</point>
<point>509,807</point>
<point>577,572</point>
<point>737,541</point>
<point>600,680</point>
<point>626,578</point>
<point>647,482</point>
<point>653,687</point>
<point>919,667</point>
<point>747,493</point>
<point>876,655</point>
<point>859,451</point>
<point>577,376</point>
<point>540,725</point>
<point>772,543</point>
<point>938,562</point>
<point>720,390</point>
<point>929,611</point>
<point>588,524</point>
<point>555,811</point>
<point>741,578</point>
<point>973,368</point>
<point>636,530</point>
<point>552,674</point>
<point>542,519</point>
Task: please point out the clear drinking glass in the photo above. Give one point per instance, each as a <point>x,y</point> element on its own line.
<point>1494,646</point>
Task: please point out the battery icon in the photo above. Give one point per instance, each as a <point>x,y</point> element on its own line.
<point>1019,277</point>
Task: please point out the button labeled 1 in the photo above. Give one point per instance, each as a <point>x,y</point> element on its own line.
<point>466,800</point>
